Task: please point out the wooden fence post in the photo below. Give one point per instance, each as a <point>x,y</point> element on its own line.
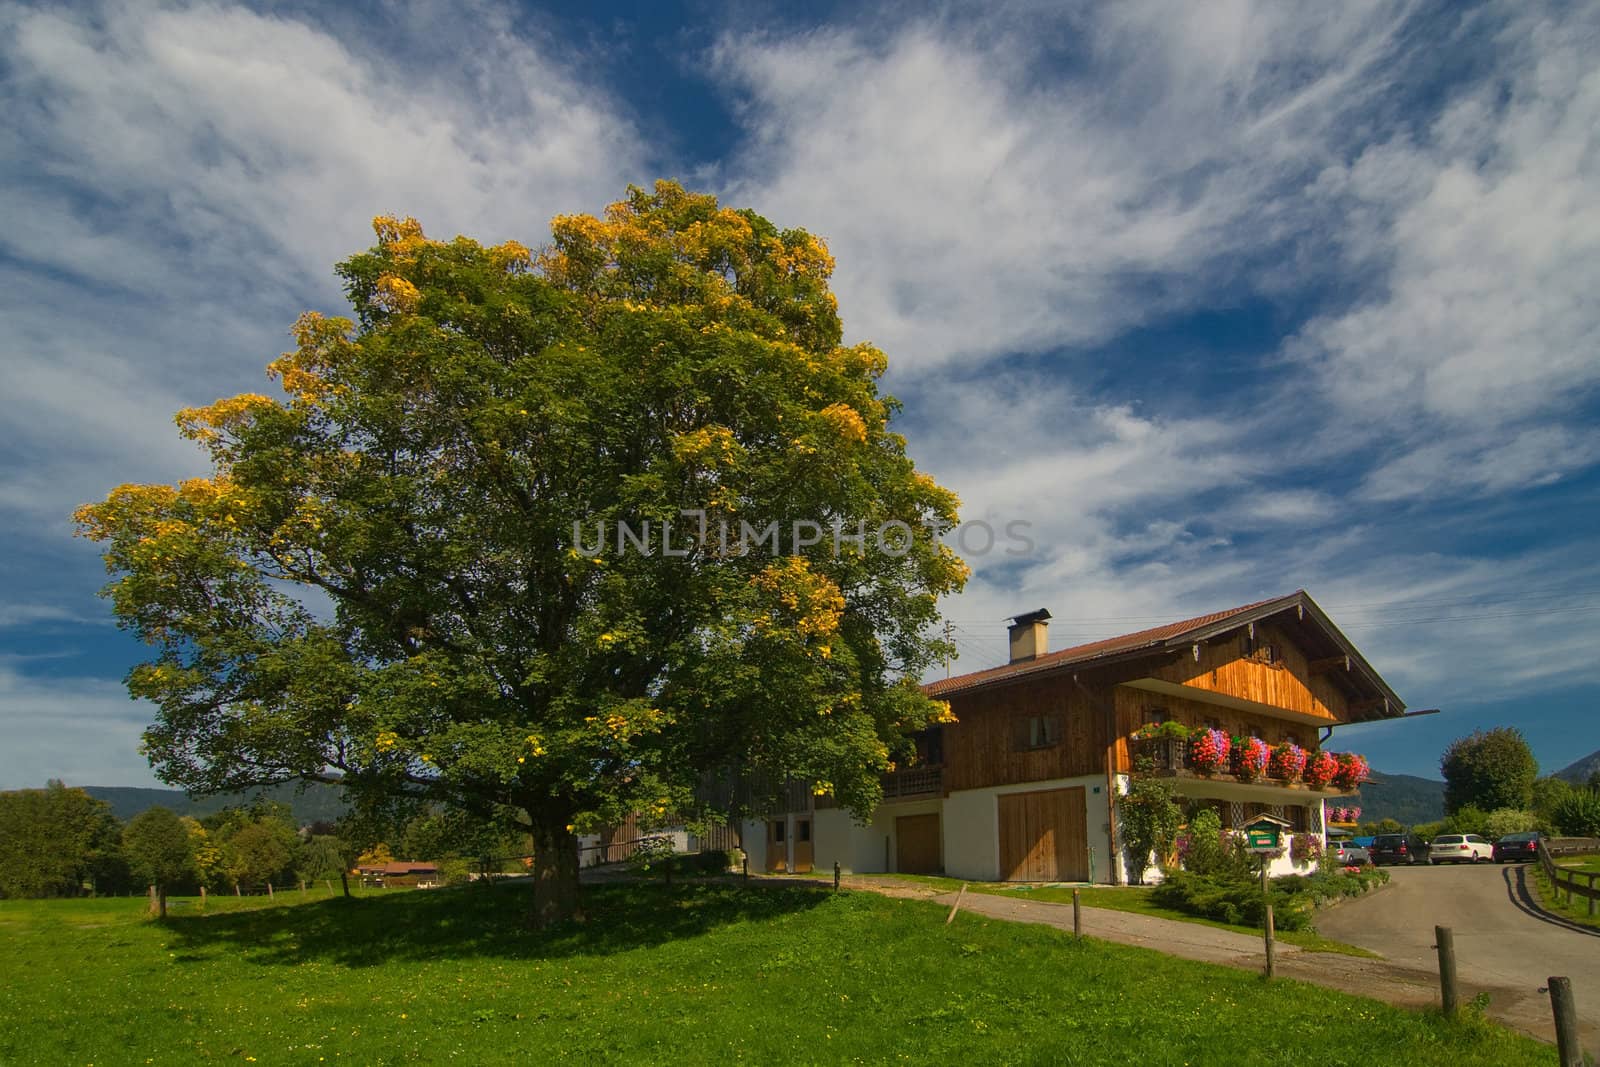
<point>835,876</point>
<point>1592,877</point>
<point>1077,914</point>
<point>202,898</point>
<point>1272,962</point>
<point>1566,1014</point>
<point>152,894</point>
<point>270,895</point>
<point>948,919</point>
<point>1445,942</point>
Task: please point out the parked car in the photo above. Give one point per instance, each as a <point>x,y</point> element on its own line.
<point>1460,848</point>
<point>1523,846</point>
<point>1399,848</point>
<point>1349,853</point>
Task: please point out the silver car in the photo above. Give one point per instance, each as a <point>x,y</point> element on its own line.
<point>1349,853</point>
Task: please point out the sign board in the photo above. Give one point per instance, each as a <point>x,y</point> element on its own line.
<point>1262,839</point>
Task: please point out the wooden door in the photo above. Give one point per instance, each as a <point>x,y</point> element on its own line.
<point>777,845</point>
<point>802,845</point>
<point>1044,836</point>
<point>916,841</point>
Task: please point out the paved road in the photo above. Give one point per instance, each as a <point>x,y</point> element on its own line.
<point>1504,946</point>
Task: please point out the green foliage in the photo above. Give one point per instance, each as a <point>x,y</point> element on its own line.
<point>1203,853</point>
<point>1489,770</point>
<point>158,849</point>
<point>55,841</point>
<point>1150,820</point>
<point>1468,820</point>
<point>322,858</point>
<point>1579,814</point>
<point>260,852</point>
<point>1236,898</point>
<point>1548,793</point>
<point>1504,821</point>
<point>438,469</point>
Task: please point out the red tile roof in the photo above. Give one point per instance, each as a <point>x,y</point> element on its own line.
<point>1154,637</point>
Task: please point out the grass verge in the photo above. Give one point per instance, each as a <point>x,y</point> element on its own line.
<point>702,973</point>
<point>1551,901</point>
<point>1134,899</point>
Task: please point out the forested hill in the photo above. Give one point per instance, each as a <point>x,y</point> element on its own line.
<point>315,803</point>
<point>1403,797</point>
<point>1578,773</point>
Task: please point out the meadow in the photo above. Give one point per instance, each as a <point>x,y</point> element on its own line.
<point>657,974</point>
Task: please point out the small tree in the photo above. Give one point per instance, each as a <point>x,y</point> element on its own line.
<point>1489,769</point>
<point>157,845</point>
<point>1548,794</point>
<point>1204,854</point>
<point>1150,821</point>
<point>259,852</point>
<point>1579,814</point>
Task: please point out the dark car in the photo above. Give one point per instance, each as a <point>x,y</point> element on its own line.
<point>1524,846</point>
<point>1399,848</point>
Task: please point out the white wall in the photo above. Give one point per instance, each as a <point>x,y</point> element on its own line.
<point>863,849</point>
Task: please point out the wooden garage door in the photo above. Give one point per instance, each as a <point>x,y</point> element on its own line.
<point>916,844</point>
<point>1044,836</point>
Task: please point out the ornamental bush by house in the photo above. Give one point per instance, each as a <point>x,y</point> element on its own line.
<point>1351,772</point>
<point>1249,757</point>
<point>1209,750</point>
<point>1288,762</point>
<point>1320,769</point>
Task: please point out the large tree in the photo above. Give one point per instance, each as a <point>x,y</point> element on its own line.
<point>1489,770</point>
<point>159,850</point>
<point>52,840</point>
<point>423,571</point>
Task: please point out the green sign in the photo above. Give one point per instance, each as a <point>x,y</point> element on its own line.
<point>1262,839</point>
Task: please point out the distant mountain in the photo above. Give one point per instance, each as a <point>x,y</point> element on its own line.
<point>1578,773</point>
<point>317,802</point>
<point>1403,797</point>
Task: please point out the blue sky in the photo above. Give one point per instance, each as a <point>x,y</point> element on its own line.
<point>1225,299</point>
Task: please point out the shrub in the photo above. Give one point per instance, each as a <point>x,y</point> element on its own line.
<point>1234,898</point>
<point>1467,820</point>
<point>1503,821</point>
<point>1579,814</point>
<point>1204,854</point>
<point>1150,822</point>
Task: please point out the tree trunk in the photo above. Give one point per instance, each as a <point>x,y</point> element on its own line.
<point>161,895</point>
<point>344,880</point>
<point>555,874</point>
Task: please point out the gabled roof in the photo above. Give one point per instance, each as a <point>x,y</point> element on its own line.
<point>1317,630</point>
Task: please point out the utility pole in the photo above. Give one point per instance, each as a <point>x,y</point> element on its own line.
<point>949,632</point>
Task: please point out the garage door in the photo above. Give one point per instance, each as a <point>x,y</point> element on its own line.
<point>1044,836</point>
<point>916,840</point>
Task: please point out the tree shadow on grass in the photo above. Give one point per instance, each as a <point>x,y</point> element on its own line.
<point>479,921</point>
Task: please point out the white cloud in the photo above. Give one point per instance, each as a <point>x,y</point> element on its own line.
<point>84,731</point>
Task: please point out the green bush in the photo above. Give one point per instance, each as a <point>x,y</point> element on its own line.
<point>1203,852</point>
<point>1230,898</point>
<point>1467,820</point>
<point>1579,814</point>
<point>1503,821</point>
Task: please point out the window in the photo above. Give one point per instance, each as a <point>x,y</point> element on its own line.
<point>803,827</point>
<point>1038,731</point>
<point>1156,716</point>
<point>1290,737</point>
<point>777,830</point>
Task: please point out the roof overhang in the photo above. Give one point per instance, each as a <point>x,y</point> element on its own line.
<point>1206,696</point>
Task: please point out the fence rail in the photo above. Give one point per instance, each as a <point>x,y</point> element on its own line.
<point>1564,879</point>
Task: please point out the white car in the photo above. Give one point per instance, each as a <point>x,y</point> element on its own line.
<point>1460,848</point>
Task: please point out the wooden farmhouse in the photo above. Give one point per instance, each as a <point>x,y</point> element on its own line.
<point>1024,785</point>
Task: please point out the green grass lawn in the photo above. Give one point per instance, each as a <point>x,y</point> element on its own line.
<point>1134,899</point>
<point>699,974</point>
<point>1581,863</point>
<point>1578,910</point>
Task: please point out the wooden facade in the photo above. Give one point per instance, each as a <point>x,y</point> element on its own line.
<point>987,746</point>
<point>1269,669</point>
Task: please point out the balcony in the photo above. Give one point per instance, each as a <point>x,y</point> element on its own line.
<point>916,782</point>
<point>1176,757</point>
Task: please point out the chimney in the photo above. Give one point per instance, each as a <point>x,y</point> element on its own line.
<point>1027,632</point>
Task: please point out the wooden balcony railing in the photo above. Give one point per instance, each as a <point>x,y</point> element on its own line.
<point>915,782</point>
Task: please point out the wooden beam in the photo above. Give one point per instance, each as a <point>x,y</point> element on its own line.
<point>1359,707</point>
<point>1332,663</point>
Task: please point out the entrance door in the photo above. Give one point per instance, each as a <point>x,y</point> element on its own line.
<point>916,840</point>
<point>1044,836</point>
<point>802,845</point>
<point>777,846</point>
